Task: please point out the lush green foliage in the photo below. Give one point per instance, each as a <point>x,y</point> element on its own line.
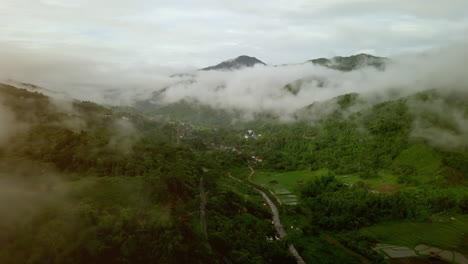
<point>238,229</point>
<point>352,62</point>
<point>445,231</point>
<point>332,205</point>
<point>103,220</point>
<point>125,187</point>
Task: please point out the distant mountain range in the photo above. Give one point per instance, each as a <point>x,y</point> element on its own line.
<point>234,64</point>
<point>191,111</point>
<point>352,62</point>
<point>337,63</point>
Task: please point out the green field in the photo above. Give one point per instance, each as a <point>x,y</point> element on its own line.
<point>286,181</point>
<point>423,160</point>
<point>286,184</point>
<point>385,178</point>
<point>442,232</point>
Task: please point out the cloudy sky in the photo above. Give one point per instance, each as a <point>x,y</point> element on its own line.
<point>184,34</point>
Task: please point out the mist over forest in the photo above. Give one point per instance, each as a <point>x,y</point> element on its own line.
<point>221,132</point>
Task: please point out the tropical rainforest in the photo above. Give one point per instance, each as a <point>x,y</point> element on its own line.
<point>82,182</point>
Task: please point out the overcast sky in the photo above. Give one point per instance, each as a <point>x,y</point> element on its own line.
<point>184,34</point>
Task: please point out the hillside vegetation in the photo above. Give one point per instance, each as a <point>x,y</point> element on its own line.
<point>87,183</point>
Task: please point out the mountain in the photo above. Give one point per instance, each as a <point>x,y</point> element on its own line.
<point>352,62</point>
<point>234,64</point>
<point>191,111</point>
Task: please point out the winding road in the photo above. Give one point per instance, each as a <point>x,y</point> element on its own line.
<point>276,220</point>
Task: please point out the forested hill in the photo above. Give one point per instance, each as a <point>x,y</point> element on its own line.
<point>86,133</point>
<point>86,183</point>
<point>352,62</point>
<point>95,184</point>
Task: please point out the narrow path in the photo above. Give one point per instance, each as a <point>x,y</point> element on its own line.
<point>276,220</point>
<point>202,206</point>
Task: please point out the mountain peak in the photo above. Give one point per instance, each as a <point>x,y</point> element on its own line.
<point>234,64</point>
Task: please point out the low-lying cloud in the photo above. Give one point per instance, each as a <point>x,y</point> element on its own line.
<point>440,123</point>
<point>262,88</point>
<point>9,125</point>
<point>249,90</point>
<point>82,78</point>
<point>254,89</point>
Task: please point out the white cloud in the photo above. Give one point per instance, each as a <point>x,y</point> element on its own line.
<point>201,33</point>
<point>367,51</point>
<point>262,88</point>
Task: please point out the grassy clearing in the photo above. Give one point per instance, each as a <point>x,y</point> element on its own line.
<point>285,185</point>
<point>446,234</point>
<point>385,178</point>
<point>425,161</point>
<point>287,182</point>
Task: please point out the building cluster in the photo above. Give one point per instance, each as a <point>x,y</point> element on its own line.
<point>184,130</point>
<point>257,159</point>
<point>252,134</point>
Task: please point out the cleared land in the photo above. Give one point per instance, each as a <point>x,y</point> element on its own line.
<point>442,232</point>
<point>281,182</point>
<point>286,184</point>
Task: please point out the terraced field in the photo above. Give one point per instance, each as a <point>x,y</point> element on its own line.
<point>286,184</point>
<point>443,232</point>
